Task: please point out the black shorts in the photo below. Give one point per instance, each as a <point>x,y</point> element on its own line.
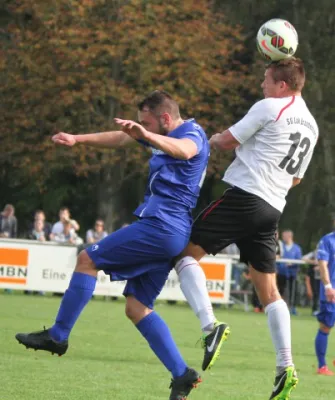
<point>244,219</point>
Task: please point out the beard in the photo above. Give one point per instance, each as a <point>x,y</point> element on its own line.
<point>162,131</point>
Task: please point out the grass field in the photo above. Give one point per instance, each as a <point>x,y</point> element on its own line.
<point>109,360</point>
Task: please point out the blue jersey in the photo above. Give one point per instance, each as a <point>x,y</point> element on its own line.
<point>174,185</point>
<point>294,253</point>
<point>326,252</point>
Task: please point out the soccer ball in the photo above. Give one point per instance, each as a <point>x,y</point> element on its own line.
<point>277,39</point>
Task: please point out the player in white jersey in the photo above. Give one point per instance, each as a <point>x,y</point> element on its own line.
<point>274,144</point>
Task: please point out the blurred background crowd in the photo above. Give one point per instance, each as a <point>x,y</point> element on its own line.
<point>298,283</point>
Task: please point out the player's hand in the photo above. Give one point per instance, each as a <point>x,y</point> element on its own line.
<point>66,139</point>
<point>330,295</point>
<point>133,129</point>
<point>213,141</point>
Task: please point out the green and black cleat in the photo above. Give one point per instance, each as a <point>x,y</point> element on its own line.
<point>42,340</point>
<point>213,342</point>
<point>284,384</point>
<point>182,386</point>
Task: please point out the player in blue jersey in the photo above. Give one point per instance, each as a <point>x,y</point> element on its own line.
<point>326,315</point>
<point>141,253</point>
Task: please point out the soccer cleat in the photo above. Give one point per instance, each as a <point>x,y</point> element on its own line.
<point>213,342</point>
<point>182,386</point>
<point>325,371</point>
<point>42,340</point>
<point>284,384</point>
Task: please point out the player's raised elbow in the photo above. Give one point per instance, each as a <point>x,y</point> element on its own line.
<point>296,181</point>
<point>187,155</point>
<point>188,151</point>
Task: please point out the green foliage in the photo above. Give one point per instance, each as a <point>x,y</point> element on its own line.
<point>75,65</point>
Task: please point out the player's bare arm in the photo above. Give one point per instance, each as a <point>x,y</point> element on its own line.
<point>223,141</point>
<point>102,139</point>
<point>183,149</point>
<point>295,182</point>
<point>324,272</point>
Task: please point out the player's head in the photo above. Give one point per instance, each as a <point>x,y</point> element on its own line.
<point>8,210</point>
<point>287,236</point>
<point>158,112</point>
<point>64,214</point>
<point>99,225</point>
<point>38,225</point>
<point>284,78</point>
<point>39,214</point>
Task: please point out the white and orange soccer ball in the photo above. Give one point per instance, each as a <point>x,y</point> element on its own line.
<point>277,39</point>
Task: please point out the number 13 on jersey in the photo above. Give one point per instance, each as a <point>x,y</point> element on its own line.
<point>292,162</point>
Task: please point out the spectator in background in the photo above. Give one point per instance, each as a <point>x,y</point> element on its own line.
<point>97,233</point>
<point>40,215</point>
<point>68,235</point>
<point>237,267</point>
<point>8,226</point>
<point>8,222</point>
<point>312,280</point>
<point>279,246</point>
<point>38,233</point>
<point>287,273</point>
<point>258,307</point>
<point>58,227</point>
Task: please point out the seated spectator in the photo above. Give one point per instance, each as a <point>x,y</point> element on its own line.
<point>38,233</point>
<point>68,235</point>
<point>8,222</point>
<point>64,216</point>
<point>40,215</point>
<point>97,233</point>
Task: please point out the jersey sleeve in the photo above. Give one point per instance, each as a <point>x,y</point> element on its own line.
<point>257,117</point>
<point>195,136</point>
<point>323,251</point>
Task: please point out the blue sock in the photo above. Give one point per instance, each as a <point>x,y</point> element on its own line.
<point>159,337</point>
<point>75,299</point>
<point>321,343</point>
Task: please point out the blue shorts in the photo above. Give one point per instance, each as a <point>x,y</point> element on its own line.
<point>326,315</point>
<point>140,253</point>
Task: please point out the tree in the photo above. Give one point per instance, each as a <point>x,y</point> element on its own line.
<point>74,65</point>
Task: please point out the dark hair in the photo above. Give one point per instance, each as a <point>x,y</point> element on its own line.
<point>39,212</point>
<point>290,70</point>
<point>64,209</point>
<point>159,102</point>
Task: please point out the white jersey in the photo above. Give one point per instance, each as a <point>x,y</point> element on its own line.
<point>277,138</point>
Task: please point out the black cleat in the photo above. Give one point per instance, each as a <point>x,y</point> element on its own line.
<point>212,344</point>
<point>42,340</point>
<point>182,386</point>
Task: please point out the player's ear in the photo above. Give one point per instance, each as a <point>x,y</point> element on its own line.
<point>166,119</point>
<point>283,85</point>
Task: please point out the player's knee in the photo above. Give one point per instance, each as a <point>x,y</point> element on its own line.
<point>135,310</point>
<point>324,328</point>
<point>191,250</point>
<point>84,263</point>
